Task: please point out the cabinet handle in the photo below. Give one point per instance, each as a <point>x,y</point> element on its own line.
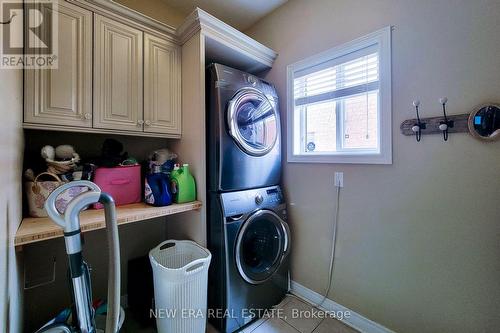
<point>148,122</point>
<point>87,116</point>
<point>140,122</point>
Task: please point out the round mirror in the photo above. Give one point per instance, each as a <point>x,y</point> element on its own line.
<point>484,122</point>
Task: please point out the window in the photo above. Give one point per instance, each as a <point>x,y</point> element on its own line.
<point>339,104</point>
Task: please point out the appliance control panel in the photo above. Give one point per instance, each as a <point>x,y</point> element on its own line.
<point>243,202</point>
<point>274,195</point>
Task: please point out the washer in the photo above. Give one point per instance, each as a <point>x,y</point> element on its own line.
<point>243,131</point>
<point>249,240</point>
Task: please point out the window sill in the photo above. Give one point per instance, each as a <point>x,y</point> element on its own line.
<point>341,159</point>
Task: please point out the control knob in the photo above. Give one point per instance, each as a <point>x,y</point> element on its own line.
<point>259,199</point>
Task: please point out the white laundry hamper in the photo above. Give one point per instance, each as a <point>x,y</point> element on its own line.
<point>180,274</point>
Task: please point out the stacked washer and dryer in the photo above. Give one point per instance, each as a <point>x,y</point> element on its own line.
<point>247,230</point>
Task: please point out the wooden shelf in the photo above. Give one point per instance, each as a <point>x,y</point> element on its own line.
<point>36,229</point>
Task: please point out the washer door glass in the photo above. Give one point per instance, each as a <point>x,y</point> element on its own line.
<point>253,121</point>
<point>260,246</point>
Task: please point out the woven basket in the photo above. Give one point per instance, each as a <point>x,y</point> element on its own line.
<point>37,193</point>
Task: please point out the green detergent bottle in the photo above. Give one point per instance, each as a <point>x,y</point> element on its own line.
<point>183,185</point>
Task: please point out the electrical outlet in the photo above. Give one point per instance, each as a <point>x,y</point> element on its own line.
<point>339,179</point>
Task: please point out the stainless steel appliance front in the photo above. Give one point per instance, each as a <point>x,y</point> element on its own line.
<point>250,243</point>
<point>243,131</point>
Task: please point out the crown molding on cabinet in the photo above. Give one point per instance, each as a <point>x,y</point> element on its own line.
<point>223,33</point>
<point>212,27</point>
<point>220,34</point>
<point>128,16</point>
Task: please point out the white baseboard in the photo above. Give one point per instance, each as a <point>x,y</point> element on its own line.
<point>355,320</point>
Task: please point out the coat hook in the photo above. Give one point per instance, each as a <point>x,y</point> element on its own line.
<point>419,126</point>
<point>445,125</point>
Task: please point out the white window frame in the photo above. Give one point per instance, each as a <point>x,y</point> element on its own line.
<point>381,38</point>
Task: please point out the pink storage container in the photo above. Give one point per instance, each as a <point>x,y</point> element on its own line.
<point>123,183</point>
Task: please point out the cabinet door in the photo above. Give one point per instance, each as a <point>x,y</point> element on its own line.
<point>117,76</point>
<point>63,96</point>
<point>162,86</point>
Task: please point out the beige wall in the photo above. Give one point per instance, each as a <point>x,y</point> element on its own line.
<point>418,240</point>
<point>11,144</point>
<point>156,9</point>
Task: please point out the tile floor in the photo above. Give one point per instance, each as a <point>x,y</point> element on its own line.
<point>289,323</point>
<point>286,322</point>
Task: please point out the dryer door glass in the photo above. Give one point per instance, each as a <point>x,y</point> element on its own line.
<point>260,246</point>
<point>253,121</point>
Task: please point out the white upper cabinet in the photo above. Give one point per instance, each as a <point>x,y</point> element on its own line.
<point>118,88</point>
<point>162,86</point>
<point>63,96</point>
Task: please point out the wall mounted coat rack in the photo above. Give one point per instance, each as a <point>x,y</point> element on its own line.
<point>443,125</point>
<point>432,125</point>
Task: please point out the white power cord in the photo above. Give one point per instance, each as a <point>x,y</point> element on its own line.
<point>332,256</point>
<point>334,244</point>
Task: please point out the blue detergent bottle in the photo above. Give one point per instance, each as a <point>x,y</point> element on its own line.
<point>156,187</point>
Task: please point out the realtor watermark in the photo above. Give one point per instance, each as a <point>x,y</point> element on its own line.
<point>280,313</point>
<point>29,34</point>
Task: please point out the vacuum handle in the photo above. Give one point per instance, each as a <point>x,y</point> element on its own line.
<point>50,203</point>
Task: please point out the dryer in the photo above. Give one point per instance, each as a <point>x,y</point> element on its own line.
<point>249,239</point>
<point>243,131</point>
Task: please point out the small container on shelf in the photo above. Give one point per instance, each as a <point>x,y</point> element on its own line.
<point>156,187</point>
<point>157,181</point>
<point>123,183</point>
<point>183,184</point>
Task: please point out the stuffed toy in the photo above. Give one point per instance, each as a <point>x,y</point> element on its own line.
<point>62,159</point>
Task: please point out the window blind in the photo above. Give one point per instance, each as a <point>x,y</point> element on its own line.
<point>351,74</point>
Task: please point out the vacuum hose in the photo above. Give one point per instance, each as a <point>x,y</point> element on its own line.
<point>113,312</point>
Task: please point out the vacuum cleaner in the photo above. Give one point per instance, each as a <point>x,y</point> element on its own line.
<point>83,313</point>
